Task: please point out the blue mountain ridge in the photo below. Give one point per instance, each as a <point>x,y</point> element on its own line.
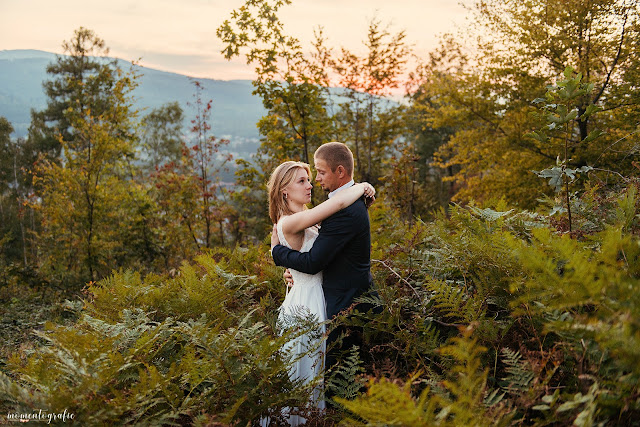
<point>235,110</point>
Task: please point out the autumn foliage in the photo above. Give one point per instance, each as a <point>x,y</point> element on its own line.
<point>505,238</point>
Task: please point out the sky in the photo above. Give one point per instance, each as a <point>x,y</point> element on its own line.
<point>180,35</point>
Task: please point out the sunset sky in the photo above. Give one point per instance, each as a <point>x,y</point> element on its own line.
<point>180,36</point>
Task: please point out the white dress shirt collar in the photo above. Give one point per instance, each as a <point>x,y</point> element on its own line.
<point>347,185</point>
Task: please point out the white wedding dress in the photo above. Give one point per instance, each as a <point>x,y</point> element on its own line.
<point>305,298</point>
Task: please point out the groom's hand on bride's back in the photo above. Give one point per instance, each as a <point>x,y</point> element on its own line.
<point>288,278</point>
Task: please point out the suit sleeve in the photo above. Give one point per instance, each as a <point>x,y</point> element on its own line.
<point>334,234</point>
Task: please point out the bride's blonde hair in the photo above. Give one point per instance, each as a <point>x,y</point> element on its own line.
<point>281,177</point>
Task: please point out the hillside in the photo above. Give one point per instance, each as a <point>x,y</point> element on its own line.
<point>235,110</point>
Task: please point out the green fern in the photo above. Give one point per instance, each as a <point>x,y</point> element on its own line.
<point>160,350</point>
<point>519,372</point>
<point>387,403</point>
<point>346,379</point>
<point>463,401</point>
<point>454,302</point>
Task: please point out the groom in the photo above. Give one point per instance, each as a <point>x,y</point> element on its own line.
<point>342,250</point>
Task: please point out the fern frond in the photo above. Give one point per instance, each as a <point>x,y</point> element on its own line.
<point>519,372</point>
<point>454,301</point>
<point>387,403</point>
<point>18,399</point>
<point>345,380</point>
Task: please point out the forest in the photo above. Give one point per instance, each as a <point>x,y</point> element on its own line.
<point>138,288</point>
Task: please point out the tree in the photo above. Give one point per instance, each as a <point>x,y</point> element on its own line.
<point>85,226</point>
<point>83,77</point>
<point>368,80</point>
<point>17,219</point>
<point>562,105</point>
<point>486,97</point>
<point>288,82</point>
<point>175,192</point>
<point>161,136</point>
<point>294,90</point>
<point>8,192</point>
<point>7,156</point>
<point>208,161</point>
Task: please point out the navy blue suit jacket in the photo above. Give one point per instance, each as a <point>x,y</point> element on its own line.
<point>342,252</point>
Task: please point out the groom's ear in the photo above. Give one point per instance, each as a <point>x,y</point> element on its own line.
<point>341,171</point>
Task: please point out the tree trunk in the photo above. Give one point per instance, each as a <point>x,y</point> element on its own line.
<point>90,240</point>
<point>357,144</point>
<point>368,177</point>
<point>221,223</point>
<point>582,124</point>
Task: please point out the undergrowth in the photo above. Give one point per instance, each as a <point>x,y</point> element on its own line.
<point>492,316</point>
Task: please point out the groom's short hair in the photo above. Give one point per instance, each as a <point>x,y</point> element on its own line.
<point>336,154</point>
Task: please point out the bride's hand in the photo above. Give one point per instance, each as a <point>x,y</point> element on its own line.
<point>368,201</point>
<point>369,190</point>
<point>369,194</point>
<point>274,237</point>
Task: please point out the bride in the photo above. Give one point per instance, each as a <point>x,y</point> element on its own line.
<point>297,228</point>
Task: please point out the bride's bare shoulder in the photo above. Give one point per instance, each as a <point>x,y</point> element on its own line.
<point>283,220</point>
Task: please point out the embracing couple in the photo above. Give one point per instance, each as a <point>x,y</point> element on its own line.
<point>327,250</point>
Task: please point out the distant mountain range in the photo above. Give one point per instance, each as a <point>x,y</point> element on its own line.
<point>235,110</point>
